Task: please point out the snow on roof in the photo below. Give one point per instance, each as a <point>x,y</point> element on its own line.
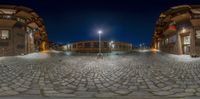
<point>181,6</point>
<point>196,11</point>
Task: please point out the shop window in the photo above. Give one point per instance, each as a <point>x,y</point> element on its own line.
<point>186,40</point>
<point>166,41</point>
<point>198,34</point>
<point>4,34</point>
<point>197,40</point>
<point>172,39</point>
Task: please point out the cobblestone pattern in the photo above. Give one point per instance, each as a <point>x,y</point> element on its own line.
<point>139,74</point>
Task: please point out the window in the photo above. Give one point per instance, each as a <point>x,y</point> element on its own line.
<point>21,20</point>
<point>87,45</point>
<point>96,45</point>
<point>166,41</point>
<point>7,16</point>
<point>198,34</point>
<point>105,44</point>
<point>80,45</point>
<point>4,34</point>
<point>197,40</point>
<point>186,40</point>
<point>172,39</point>
<point>4,44</point>
<point>74,46</point>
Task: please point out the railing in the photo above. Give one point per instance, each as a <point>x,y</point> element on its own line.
<point>11,17</point>
<point>195,16</point>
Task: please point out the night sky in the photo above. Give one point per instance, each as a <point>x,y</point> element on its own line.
<point>72,20</point>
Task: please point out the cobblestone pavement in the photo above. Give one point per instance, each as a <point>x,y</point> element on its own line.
<point>134,76</point>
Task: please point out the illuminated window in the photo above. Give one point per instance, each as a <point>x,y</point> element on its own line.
<point>198,34</point>
<point>197,40</point>
<point>105,44</point>
<point>166,41</point>
<point>4,34</point>
<point>186,40</point>
<point>21,20</point>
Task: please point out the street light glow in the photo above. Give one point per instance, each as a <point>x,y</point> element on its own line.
<point>68,45</point>
<point>113,46</point>
<point>100,32</point>
<point>183,30</point>
<point>111,42</point>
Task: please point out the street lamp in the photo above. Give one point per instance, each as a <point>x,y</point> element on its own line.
<point>100,54</point>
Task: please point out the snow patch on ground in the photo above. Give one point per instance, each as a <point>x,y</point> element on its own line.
<point>41,55</point>
<point>2,58</point>
<point>143,50</point>
<point>183,58</point>
<point>54,51</point>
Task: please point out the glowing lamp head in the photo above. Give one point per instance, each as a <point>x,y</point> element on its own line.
<point>100,32</point>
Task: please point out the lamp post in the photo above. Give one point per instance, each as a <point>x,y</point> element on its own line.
<point>100,54</point>
<point>111,45</point>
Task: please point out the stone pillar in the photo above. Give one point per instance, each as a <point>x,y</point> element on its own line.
<point>179,44</point>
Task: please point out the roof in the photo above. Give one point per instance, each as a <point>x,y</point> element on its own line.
<point>19,11</point>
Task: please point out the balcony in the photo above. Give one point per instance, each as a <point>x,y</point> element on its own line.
<point>181,17</point>
<point>195,20</point>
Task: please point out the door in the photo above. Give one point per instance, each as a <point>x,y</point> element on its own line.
<point>186,44</point>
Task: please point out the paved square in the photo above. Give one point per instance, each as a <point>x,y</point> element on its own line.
<point>140,75</point>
